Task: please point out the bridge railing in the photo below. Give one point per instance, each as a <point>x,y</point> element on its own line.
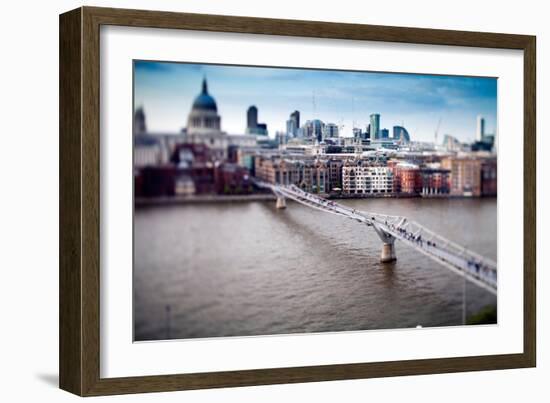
<point>471,263</point>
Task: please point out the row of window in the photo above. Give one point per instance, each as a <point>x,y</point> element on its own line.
<point>367,191</point>
<point>206,122</point>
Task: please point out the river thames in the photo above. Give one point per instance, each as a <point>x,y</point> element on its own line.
<point>246,268</point>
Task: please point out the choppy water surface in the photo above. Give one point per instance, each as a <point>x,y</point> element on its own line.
<point>239,269</point>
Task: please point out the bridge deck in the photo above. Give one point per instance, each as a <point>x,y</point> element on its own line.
<point>474,267</point>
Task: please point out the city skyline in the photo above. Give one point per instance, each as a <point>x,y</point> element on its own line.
<point>166,91</point>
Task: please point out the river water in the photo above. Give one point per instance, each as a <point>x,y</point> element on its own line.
<point>246,268</point>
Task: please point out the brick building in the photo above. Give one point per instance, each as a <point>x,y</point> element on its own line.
<point>312,175</point>
<point>489,177</point>
<point>408,180</point>
<point>232,179</point>
<point>465,175</point>
<point>435,181</point>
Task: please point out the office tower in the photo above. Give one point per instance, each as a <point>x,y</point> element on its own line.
<point>252,118</point>
<point>290,128</point>
<point>375,126</point>
<point>295,117</point>
<point>293,124</point>
<point>252,125</point>
<point>330,130</point>
<point>401,134</point>
<point>480,132</point>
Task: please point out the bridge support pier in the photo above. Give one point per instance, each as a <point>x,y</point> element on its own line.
<point>388,247</point>
<point>281,202</point>
<point>388,253</point>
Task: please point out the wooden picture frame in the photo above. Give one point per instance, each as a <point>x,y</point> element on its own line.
<point>79,346</point>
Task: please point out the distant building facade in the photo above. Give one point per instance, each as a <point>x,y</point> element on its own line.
<point>330,131</point>
<point>408,180</point>
<point>203,118</point>
<point>465,175</point>
<point>252,125</point>
<point>375,126</point>
<point>362,178</point>
<point>204,124</point>
<point>230,178</point>
<point>252,117</point>
<point>311,175</point>
<point>147,151</point>
<point>480,129</point>
<point>489,177</point>
<point>313,130</point>
<point>140,124</point>
<point>401,134</point>
<point>435,182</point>
<point>293,124</point>
<point>335,167</point>
<point>451,143</point>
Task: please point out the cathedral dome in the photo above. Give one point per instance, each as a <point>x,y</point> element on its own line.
<point>203,118</point>
<point>204,101</point>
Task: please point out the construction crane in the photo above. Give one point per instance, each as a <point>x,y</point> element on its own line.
<point>341,126</point>
<point>353,122</point>
<point>437,130</point>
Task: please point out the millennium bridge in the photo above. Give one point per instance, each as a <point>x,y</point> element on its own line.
<point>466,263</point>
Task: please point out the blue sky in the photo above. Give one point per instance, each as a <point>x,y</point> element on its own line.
<point>167,90</point>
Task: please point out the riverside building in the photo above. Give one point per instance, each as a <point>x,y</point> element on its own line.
<point>361,178</point>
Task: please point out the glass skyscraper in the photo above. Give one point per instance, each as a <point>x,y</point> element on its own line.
<point>375,126</point>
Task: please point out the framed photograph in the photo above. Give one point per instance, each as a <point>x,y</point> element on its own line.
<point>248,201</point>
